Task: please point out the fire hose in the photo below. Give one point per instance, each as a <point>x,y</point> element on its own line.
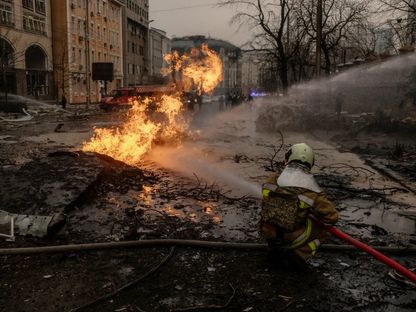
<point>376,254</point>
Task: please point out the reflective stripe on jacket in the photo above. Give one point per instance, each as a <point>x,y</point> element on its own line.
<point>309,201</point>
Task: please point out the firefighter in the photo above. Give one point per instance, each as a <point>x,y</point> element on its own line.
<point>289,197</point>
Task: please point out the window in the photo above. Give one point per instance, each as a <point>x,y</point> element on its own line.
<point>27,4</point>
<point>6,14</point>
<point>92,56</point>
<point>99,57</point>
<point>105,34</point>
<point>130,69</point>
<point>80,58</point>
<point>98,33</point>
<point>73,55</point>
<point>92,31</point>
<point>40,6</point>
<point>98,6</point>
<point>34,23</point>
<point>105,57</point>
<point>104,8</point>
<point>73,25</point>
<point>79,27</point>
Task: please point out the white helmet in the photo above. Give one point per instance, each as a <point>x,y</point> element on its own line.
<point>300,152</point>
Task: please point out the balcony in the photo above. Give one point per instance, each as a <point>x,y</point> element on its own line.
<point>8,23</point>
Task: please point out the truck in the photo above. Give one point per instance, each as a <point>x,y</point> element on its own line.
<point>122,98</point>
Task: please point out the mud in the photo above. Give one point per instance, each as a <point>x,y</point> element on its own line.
<point>111,201</point>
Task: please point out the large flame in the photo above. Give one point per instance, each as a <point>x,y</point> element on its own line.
<point>157,120</point>
<point>201,68</point>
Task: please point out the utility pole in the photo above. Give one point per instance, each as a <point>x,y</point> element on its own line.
<point>318,38</point>
<point>87,53</point>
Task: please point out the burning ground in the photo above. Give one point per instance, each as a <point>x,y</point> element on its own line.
<point>205,188</point>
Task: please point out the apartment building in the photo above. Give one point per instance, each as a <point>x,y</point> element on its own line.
<point>135,40</point>
<point>86,32</point>
<point>26,48</point>
<point>160,45</point>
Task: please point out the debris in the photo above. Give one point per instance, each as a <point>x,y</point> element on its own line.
<point>47,276</point>
<point>402,279</point>
<point>58,127</point>
<point>37,226</point>
<point>216,307</point>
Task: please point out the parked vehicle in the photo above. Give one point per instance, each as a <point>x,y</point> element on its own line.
<point>123,97</point>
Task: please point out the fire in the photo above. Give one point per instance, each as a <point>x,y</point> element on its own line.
<point>201,68</point>
<point>158,120</point>
<point>142,128</point>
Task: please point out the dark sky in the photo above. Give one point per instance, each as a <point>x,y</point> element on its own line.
<point>195,17</point>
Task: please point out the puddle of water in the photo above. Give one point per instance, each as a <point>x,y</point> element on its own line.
<point>389,220</point>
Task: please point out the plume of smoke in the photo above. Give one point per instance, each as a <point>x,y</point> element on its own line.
<point>190,161</point>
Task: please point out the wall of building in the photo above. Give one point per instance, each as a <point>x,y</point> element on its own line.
<point>103,40</point>
<point>250,71</point>
<point>135,39</point>
<point>160,45</point>
<point>28,31</point>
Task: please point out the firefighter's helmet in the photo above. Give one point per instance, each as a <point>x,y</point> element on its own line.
<point>302,153</point>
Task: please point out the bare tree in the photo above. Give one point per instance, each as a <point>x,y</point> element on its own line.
<point>338,17</point>
<point>273,21</point>
<point>406,6</point>
<point>405,11</point>
<point>363,37</point>
<point>62,68</point>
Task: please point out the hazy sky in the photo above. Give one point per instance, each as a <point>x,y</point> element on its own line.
<point>195,17</point>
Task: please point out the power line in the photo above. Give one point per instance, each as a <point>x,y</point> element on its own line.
<point>185,7</point>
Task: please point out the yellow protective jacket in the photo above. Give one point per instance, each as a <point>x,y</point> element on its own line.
<point>310,199</point>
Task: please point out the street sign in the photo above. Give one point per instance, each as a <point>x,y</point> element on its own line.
<point>103,71</point>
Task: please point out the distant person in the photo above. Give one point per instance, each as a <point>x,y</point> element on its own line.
<point>289,197</point>
<point>63,101</point>
<point>338,105</point>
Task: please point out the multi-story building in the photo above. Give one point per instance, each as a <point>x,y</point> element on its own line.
<point>135,40</point>
<point>26,48</point>
<point>160,45</point>
<point>86,32</point>
<point>229,54</point>
<point>251,63</point>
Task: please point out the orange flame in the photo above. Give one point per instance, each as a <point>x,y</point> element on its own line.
<point>201,67</point>
<point>155,120</point>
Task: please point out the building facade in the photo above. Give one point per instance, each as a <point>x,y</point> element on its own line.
<point>160,45</point>
<point>26,58</point>
<point>135,41</point>
<point>250,71</point>
<point>86,32</point>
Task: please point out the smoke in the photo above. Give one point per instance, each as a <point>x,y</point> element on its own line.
<point>190,161</point>
<point>379,86</point>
